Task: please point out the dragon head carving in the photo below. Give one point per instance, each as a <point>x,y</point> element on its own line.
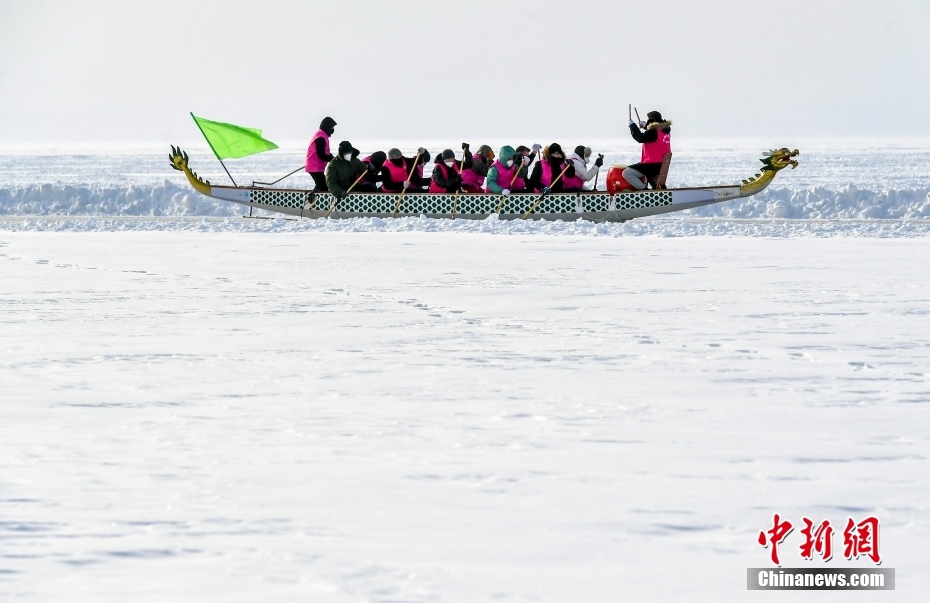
<point>179,161</point>
<point>779,159</point>
<point>773,162</point>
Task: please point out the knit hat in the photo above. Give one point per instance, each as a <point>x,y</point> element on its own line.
<point>654,116</point>
<point>555,148</point>
<point>506,153</point>
<point>484,150</point>
<point>394,154</point>
<point>579,150</point>
<point>345,147</point>
<point>424,158</point>
<point>522,148</point>
<point>447,154</point>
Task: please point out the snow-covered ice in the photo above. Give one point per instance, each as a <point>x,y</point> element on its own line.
<point>197,412</point>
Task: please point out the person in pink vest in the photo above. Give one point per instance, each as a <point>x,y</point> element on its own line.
<point>473,177</point>
<point>397,169</point>
<point>548,169</point>
<point>503,177</point>
<point>583,173</point>
<point>447,177</point>
<point>655,135</point>
<point>318,154</point>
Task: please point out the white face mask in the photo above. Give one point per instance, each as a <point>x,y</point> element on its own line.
<point>347,156</point>
<point>450,163</point>
<point>509,163</point>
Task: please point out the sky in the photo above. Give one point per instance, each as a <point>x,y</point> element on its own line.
<point>99,71</point>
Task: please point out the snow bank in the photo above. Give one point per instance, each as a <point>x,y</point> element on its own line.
<point>170,199</point>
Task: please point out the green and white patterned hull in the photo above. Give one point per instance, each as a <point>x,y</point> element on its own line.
<point>596,206</point>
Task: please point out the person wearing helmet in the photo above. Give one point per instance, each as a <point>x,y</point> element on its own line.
<point>655,134</point>
<point>318,154</point>
<point>397,169</point>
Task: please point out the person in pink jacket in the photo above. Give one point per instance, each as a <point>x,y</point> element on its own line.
<point>655,135</point>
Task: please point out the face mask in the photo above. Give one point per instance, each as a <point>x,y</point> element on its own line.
<point>450,163</point>
<point>347,156</point>
<point>509,163</point>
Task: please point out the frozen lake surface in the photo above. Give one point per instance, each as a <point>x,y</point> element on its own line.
<point>300,415</point>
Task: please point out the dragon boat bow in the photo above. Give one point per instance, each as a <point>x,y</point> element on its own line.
<point>598,206</point>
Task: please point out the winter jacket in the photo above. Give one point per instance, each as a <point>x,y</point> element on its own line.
<point>581,169</point>
<point>341,174</point>
<point>445,179</point>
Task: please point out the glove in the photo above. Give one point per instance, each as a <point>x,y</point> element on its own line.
<point>406,184</point>
<point>421,150</point>
<point>505,192</point>
<point>464,146</point>
<point>599,161</point>
<point>546,191</point>
<point>631,122</point>
<point>526,160</point>
<point>536,148</point>
<point>340,196</point>
<point>642,124</point>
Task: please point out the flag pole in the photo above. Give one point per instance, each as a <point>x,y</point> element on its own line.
<point>212,149</point>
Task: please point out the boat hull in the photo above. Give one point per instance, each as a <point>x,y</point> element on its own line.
<point>594,206</point>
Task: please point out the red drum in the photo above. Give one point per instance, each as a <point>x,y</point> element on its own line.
<point>616,183</point>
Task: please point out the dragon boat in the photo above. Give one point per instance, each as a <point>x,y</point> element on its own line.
<point>616,204</point>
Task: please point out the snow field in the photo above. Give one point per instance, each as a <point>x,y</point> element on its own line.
<point>451,416</point>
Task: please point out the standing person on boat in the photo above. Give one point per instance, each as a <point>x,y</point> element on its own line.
<point>502,176</point>
<point>548,169</point>
<point>583,174</point>
<point>447,177</point>
<point>318,154</point>
<point>655,135</point>
<point>344,170</point>
<point>398,168</point>
<point>473,177</point>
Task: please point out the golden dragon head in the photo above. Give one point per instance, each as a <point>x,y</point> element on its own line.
<point>179,161</point>
<point>773,161</point>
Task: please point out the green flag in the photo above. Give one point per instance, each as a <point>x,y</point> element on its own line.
<point>228,140</point>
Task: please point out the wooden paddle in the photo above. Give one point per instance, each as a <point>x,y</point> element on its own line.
<point>409,176</point>
<point>557,178</point>
<point>336,201</point>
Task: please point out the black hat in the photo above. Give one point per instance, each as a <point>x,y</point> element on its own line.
<point>378,158</point>
<point>555,148</point>
<point>654,116</point>
<point>328,125</point>
<point>522,148</point>
<point>345,147</point>
<point>447,154</point>
<point>424,157</point>
<point>579,150</point>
